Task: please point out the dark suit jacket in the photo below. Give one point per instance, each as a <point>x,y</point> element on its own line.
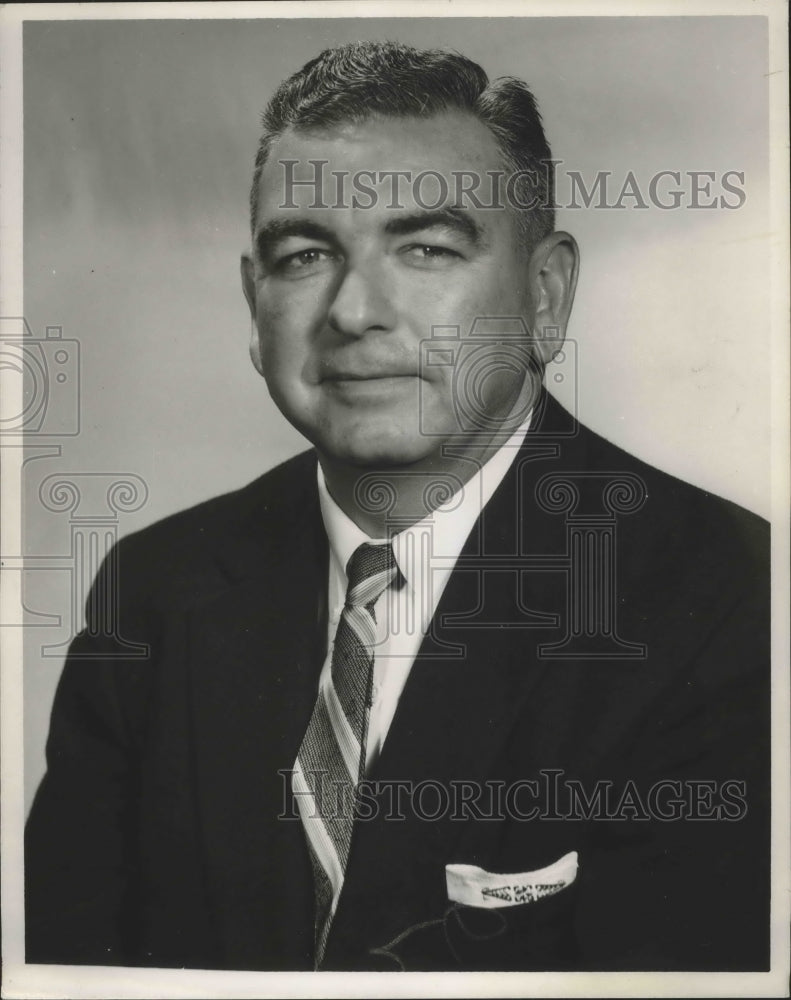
<point>163,833</point>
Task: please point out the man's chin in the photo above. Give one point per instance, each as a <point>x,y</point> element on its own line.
<point>385,450</point>
<point>381,457</point>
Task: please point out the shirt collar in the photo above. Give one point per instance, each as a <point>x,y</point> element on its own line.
<point>343,534</point>
<point>442,533</point>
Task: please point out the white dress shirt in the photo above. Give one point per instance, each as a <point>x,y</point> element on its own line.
<point>425,553</point>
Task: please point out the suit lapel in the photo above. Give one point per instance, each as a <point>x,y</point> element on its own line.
<point>255,653</point>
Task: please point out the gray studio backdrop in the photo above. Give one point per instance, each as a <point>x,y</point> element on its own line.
<point>139,144</point>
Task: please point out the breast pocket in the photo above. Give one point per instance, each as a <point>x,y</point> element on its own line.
<point>513,921</point>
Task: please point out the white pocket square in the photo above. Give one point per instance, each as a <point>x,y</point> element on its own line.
<point>475,887</point>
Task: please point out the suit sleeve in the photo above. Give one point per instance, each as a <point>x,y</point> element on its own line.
<point>80,850</point>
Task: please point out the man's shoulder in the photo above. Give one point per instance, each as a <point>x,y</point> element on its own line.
<point>674,522</point>
<point>191,550</point>
<point>269,493</point>
<point>662,517</point>
<point>680,499</point>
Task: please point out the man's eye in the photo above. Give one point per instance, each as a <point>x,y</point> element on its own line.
<point>430,255</point>
<point>304,260</point>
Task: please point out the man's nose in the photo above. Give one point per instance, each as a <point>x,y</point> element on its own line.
<point>361,302</point>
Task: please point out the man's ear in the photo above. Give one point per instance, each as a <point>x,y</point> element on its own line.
<point>248,281</point>
<point>248,287</point>
<point>553,268</point>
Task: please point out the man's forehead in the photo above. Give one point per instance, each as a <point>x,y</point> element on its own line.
<point>449,136</point>
<point>405,161</point>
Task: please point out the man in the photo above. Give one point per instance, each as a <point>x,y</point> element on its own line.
<point>465,687</point>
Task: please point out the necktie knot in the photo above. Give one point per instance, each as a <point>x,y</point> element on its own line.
<point>370,571</point>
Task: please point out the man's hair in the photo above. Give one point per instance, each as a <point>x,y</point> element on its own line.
<point>359,80</point>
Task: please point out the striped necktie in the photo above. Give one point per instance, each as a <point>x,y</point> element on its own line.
<point>331,759</point>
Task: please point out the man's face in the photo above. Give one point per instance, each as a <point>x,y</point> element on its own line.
<point>344,297</point>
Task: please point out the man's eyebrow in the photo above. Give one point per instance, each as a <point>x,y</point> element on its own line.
<point>454,219</point>
<point>275,230</point>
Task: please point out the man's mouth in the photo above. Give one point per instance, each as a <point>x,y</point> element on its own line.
<point>364,376</point>
<point>373,388</point>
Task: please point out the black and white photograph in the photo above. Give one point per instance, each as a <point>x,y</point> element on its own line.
<point>395,550</point>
